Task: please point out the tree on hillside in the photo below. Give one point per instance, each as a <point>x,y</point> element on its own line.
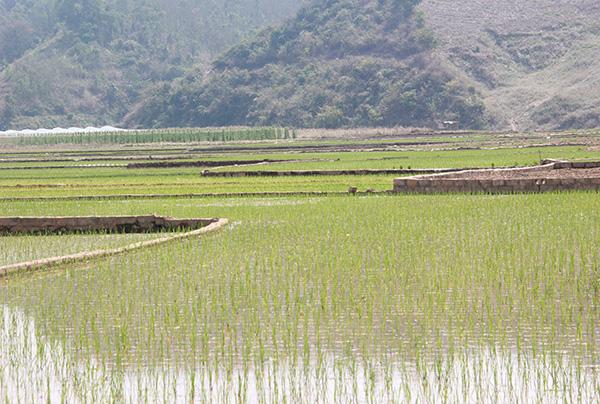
<point>15,38</point>
<point>90,19</point>
<point>94,58</point>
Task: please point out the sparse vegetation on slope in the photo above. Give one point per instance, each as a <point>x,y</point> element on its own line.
<point>537,63</point>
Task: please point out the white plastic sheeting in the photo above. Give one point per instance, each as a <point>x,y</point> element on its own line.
<point>43,131</point>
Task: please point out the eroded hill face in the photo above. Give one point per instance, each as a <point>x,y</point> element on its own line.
<point>537,62</point>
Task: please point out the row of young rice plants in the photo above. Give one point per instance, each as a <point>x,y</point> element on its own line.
<point>311,160</point>
<point>150,155</point>
<point>179,135</point>
<point>4,166</point>
<point>99,161</point>
<point>340,160</point>
<point>408,298</point>
<point>206,186</point>
<point>96,176</point>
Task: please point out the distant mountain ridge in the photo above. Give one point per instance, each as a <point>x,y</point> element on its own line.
<point>520,65</point>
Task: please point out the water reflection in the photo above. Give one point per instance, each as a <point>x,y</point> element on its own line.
<point>34,368</point>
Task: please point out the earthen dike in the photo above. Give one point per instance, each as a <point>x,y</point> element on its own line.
<point>109,224</point>
<point>123,224</point>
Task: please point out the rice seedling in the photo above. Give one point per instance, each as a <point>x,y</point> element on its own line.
<point>105,181</point>
<point>15,249</point>
<point>194,184</point>
<point>425,158</point>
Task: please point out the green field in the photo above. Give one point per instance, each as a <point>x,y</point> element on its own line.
<point>341,298</point>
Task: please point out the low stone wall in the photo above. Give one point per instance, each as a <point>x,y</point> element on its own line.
<point>299,173</point>
<point>458,183</point>
<point>454,185</point>
<point>576,164</point>
<point>111,224</point>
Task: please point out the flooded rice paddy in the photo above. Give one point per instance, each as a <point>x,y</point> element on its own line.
<point>374,299</point>
<point>16,249</point>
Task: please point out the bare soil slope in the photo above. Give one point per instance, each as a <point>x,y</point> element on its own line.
<point>537,62</point>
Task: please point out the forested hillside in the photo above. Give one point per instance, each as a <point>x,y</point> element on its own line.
<point>337,63</point>
<point>81,62</point>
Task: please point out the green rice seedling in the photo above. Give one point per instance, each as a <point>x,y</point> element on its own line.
<point>22,248</point>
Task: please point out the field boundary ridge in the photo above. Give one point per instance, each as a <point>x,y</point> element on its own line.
<point>307,173</point>
<point>46,263</point>
<point>113,224</point>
